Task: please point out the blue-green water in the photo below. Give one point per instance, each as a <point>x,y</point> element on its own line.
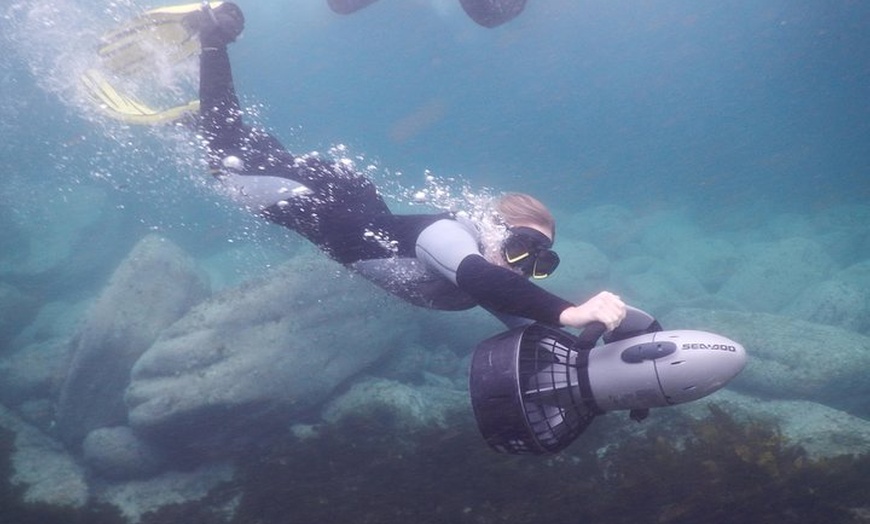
<point>700,158</point>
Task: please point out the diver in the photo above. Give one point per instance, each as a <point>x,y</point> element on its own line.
<point>488,13</point>
<point>437,261</point>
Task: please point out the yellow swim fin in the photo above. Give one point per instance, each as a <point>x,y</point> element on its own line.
<point>158,36</point>
<point>126,107</point>
<point>147,58</point>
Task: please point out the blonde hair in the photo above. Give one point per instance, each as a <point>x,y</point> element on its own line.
<point>520,208</point>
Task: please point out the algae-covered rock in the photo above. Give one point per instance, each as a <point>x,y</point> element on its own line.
<point>821,430</point>
<point>118,454</point>
<point>154,286</point>
<point>790,358</point>
<point>48,473</point>
<point>254,357</point>
<point>410,407</point>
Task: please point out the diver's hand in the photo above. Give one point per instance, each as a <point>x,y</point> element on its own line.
<point>218,26</point>
<point>605,307</point>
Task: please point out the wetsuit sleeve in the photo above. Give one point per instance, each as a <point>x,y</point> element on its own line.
<point>452,250</point>
<point>502,290</point>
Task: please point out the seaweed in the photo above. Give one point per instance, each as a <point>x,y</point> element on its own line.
<point>712,470</point>
<point>728,471</point>
<point>364,470</point>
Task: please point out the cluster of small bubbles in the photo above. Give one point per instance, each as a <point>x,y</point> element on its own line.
<point>254,110</point>
<point>147,169</point>
<point>438,193</point>
<point>338,150</point>
<point>382,239</point>
<point>452,194</point>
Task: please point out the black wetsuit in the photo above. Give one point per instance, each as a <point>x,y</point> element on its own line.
<point>342,213</point>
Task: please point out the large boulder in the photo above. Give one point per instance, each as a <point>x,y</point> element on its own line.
<point>584,271</point>
<point>677,240</point>
<point>254,358</point>
<point>17,309</point>
<point>153,287</point>
<point>409,408</point>
<point>842,230</point>
<point>55,231</point>
<point>843,301</point>
<point>33,372</point>
<point>118,454</point>
<point>654,285</point>
<point>55,320</point>
<point>610,228</point>
<point>13,239</point>
<point>52,241</point>
<point>789,358</point>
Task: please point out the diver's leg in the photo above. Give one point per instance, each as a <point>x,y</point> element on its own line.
<point>345,7</point>
<point>492,13</point>
<point>219,106</point>
<point>221,116</point>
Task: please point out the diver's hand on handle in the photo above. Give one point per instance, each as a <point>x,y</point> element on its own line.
<point>605,307</point>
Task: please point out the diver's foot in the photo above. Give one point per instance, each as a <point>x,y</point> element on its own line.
<point>492,13</point>
<point>216,27</point>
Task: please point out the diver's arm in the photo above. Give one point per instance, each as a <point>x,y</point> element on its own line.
<point>450,248</point>
<point>502,290</point>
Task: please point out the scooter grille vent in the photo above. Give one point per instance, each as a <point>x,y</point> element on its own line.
<point>530,390</point>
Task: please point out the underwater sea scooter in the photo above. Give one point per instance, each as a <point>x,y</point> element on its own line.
<point>536,388</point>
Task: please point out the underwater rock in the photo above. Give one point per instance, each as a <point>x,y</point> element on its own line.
<point>771,275</point>
<point>416,362</point>
<point>118,454</point>
<point>32,372</point>
<point>653,285</point>
<point>584,270</point>
<point>709,260</point>
<point>821,430</point>
<point>790,358</point>
<point>13,240</point>
<point>842,230</point>
<point>54,320</point>
<point>50,474</point>
<point>250,359</point>
<point>835,303</point>
<point>610,228</point>
<point>409,407</point>
<point>154,286</point>
<point>137,497</point>
<point>52,234</point>
<point>39,413</point>
<point>17,309</point>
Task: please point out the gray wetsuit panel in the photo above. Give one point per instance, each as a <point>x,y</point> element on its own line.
<point>430,279</point>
